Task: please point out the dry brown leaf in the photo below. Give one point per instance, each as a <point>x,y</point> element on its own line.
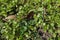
<point>10,17</point>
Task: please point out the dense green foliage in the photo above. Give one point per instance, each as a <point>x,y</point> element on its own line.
<point>46,14</point>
